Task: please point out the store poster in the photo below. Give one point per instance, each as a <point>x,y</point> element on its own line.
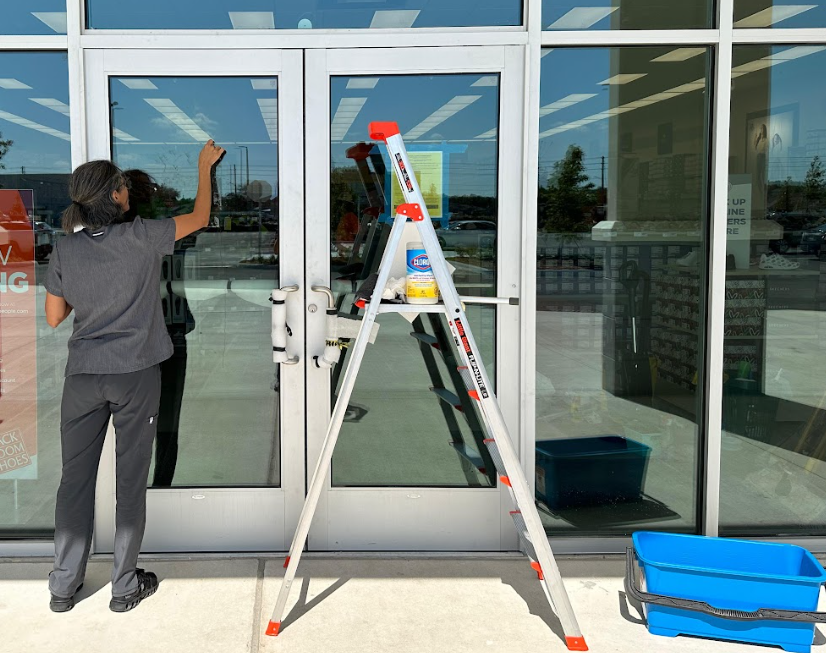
<point>18,337</point>
<point>429,168</point>
<point>770,136</point>
<point>738,228</point>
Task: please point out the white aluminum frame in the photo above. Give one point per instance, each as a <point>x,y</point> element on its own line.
<point>203,518</point>
<point>722,39</point>
<point>389,518</point>
<point>530,38</point>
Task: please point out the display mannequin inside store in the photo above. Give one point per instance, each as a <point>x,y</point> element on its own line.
<point>106,270</point>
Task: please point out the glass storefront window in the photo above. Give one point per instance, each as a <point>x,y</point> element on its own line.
<point>284,14</point>
<point>40,18</point>
<point>767,14</point>
<point>410,376</point>
<point>218,422</point>
<point>35,164</point>
<point>627,14</point>
<point>622,220</point>
<point>774,401</point>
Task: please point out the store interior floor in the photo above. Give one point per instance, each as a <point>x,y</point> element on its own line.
<point>342,605</point>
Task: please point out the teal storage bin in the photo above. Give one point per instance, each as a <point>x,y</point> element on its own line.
<point>590,471</point>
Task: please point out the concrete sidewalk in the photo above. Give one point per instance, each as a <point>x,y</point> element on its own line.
<point>340,605</point>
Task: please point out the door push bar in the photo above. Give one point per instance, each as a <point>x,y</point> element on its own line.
<point>280,329</point>
<point>332,346</point>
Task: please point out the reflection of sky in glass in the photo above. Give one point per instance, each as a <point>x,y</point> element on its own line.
<point>625,14</point>
<point>41,143</point>
<point>567,72</point>
<point>584,90</point>
<point>763,13</point>
<point>33,17</point>
<point>286,14</point>
<point>433,111</point>
<point>162,123</point>
<point>789,81</point>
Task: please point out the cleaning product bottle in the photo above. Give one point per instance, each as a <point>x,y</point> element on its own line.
<point>421,284</point>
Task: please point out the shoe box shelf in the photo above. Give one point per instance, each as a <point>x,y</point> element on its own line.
<point>750,294</point>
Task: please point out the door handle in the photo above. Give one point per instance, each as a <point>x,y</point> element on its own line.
<point>280,329</point>
<point>332,349</point>
<point>331,300</point>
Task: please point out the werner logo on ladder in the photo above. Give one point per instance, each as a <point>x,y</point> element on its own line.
<point>526,518</point>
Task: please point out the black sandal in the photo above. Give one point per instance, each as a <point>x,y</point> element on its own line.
<point>147,586</point>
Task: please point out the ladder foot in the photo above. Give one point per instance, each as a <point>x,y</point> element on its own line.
<point>576,643</point>
<point>274,626</point>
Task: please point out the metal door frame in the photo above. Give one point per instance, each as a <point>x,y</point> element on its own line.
<point>261,518</point>
<point>390,518</point>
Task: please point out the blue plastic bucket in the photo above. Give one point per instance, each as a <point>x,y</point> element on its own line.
<point>734,575</point>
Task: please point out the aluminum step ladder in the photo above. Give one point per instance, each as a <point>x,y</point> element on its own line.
<point>525,516</point>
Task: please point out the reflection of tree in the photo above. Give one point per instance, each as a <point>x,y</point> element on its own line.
<point>4,148</point>
<point>807,196</point>
<point>341,194</point>
<point>237,202</point>
<point>564,204</point>
<point>815,184</point>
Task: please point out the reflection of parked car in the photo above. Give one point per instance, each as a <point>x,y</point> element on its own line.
<point>794,225</point>
<point>44,238</point>
<point>812,240</point>
<point>468,233</point>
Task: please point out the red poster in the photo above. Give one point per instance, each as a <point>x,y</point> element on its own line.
<point>18,332</point>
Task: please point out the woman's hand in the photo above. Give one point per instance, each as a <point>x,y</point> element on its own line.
<point>199,218</point>
<point>209,156</point>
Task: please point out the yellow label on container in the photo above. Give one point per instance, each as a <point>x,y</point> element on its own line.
<point>422,289</point>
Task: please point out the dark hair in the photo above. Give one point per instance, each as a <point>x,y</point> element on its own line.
<point>142,188</point>
<point>91,191</point>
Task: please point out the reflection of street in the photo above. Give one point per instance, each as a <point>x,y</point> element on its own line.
<point>231,249</point>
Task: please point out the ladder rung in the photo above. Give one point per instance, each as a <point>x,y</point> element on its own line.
<point>448,397</point>
<point>522,529</point>
<point>465,372</point>
<point>426,338</point>
<point>470,455</point>
<point>494,455</point>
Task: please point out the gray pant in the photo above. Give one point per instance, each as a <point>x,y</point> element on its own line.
<point>88,401</point>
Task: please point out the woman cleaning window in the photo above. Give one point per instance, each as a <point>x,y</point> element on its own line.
<point>107,271</point>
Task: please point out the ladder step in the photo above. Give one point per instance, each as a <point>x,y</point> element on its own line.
<point>426,338</point>
<point>471,455</point>
<point>522,529</point>
<point>494,455</point>
<point>466,377</point>
<point>448,397</point>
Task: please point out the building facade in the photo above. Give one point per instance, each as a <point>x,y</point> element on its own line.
<point>647,178</point>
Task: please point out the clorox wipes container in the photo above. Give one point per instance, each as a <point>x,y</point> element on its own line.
<point>421,284</point>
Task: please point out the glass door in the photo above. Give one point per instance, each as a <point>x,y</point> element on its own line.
<point>409,470</point>
<point>228,467</point>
